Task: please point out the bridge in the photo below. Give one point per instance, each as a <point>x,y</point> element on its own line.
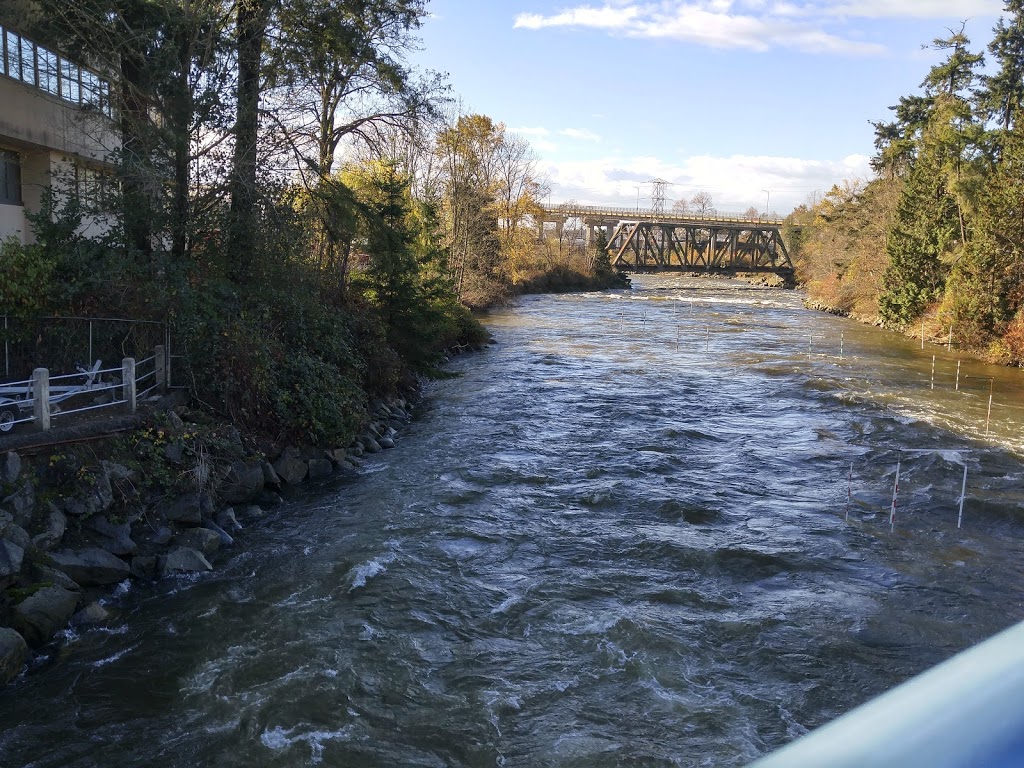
<point>656,240</point>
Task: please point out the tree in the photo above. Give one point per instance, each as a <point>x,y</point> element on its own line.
<point>1002,94</point>
<point>681,207</point>
<point>752,213</point>
<point>702,205</point>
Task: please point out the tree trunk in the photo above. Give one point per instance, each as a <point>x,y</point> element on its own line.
<point>251,21</point>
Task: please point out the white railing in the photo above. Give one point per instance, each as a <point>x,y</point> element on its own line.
<point>968,712</point>
<point>38,399</point>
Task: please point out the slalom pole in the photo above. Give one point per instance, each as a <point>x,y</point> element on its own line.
<point>849,492</point>
<point>963,493</point>
<point>933,371</point>
<point>842,338</point>
<point>957,375</point>
<point>895,493</point>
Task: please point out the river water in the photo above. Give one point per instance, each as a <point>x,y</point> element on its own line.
<point>619,537</point>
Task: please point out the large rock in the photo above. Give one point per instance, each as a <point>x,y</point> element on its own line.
<point>10,468</point>
<point>13,652</point>
<point>226,519</point>
<point>13,532</point>
<point>186,509</point>
<point>369,444</point>
<point>320,468</point>
<point>115,538</point>
<point>270,478</point>
<point>224,536</point>
<point>40,616</point>
<point>21,504</point>
<point>184,560</point>
<point>144,567</point>
<point>91,615</point>
<point>39,573</point>
<point>386,442</point>
<point>100,494</point>
<point>290,467</point>
<point>11,556</point>
<point>200,539</point>
<point>53,532</point>
<point>91,567</point>
<point>243,483</point>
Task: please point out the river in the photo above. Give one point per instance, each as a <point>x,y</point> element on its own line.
<point>619,537</point>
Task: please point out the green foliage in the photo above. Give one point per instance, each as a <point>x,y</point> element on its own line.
<point>26,274</point>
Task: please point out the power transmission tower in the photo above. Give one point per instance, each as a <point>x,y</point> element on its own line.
<point>658,187</point>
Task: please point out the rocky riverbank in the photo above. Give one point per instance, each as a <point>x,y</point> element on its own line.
<point>155,503</point>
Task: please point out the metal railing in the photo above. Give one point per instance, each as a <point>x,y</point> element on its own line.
<point>967,712</point>
<point>41,398</point>
<point>574,210</point>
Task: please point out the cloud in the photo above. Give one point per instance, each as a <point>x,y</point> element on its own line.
<point>756,25</point>
<point>580,133</point>
<point>735,182</point>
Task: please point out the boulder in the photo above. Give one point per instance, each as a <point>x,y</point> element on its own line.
<point>200,539</point>
<point>290,467</point>
<point>13,652</point>
<point>14,533</point>
<point>254,512</point>
<point>369,444</point>
<point>11,557</point>
<point>224,536</point>
<point>387,442</point>
<point>144,567</point>
<point>183,560</point>
<point>161,537</point>
<point>336,455</point>
<point>226,519</point>
<point>270,477</point>
<point>117,471</point>
<point>243,483</point>
<point>91,615</point>
<point>174,452</point>
<point>346,466</point>
<point>175,421</point>
<point>115,538</point>
<point>43,614</point>
<point>10,468</point>
<point>100,495</point>
<point>320,468</point>
<point>356,449</point>
<point>21,504</point>
<point>56,524</point>
<point>40,574</point>
<point>91,567</point>
<point>186,509</point>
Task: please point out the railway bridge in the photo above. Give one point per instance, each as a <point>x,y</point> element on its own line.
<point>641,241</point>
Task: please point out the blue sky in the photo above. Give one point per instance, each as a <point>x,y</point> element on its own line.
<point>743,99</point>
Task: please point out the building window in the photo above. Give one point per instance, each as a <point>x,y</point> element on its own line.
<point>49,80</point>
<point>92,187</point>
<point>13,57</point>
<point>28,61</point>
<point>69,88</point>
<point>10,178</point>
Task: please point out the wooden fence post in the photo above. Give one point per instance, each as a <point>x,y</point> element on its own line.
<point>41,398</point>
<point>160,369</point>
<point>128,382</point>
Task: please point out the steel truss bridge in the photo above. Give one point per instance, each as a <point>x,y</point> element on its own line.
<point>655,240</point>
<point>699,247</point>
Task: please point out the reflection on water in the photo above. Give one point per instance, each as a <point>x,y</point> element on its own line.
<point>619,538</point>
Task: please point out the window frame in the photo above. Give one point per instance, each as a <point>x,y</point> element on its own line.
<point>9,159</point>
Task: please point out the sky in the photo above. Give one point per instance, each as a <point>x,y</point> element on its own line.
<point>759,103</point>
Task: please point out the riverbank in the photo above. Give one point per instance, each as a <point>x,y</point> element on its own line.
<point>158,501</point>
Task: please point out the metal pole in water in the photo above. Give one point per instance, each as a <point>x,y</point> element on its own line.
<point>957,375</point>
<point>810,338</point>
<point>849,492</point>
<point>922,334</point>
<point>643,328</point>
<point>677,337</point>
<point>620,321</point>
<point>963,492</point>
<point>842,338</point>
<point>933,371</point>
<point>895,493</point>
<point>988,416</point>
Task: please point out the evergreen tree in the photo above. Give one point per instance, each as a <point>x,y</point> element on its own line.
<point>1002,94</point>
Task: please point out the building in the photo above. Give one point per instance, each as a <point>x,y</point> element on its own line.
<point>56,131</point>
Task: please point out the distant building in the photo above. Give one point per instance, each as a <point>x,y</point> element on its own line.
<point>56,131</point>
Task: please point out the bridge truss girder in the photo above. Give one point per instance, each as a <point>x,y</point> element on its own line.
<point>695,247</point>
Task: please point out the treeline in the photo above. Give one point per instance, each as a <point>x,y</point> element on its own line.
<point>937,236</point>
<point>310,214</point>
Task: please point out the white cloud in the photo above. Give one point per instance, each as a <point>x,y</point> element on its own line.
<point>580,133</point>
<point>756,25</point>
<point>735,182</point>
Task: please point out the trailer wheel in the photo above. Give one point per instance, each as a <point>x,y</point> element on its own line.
<point>8,415</point>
